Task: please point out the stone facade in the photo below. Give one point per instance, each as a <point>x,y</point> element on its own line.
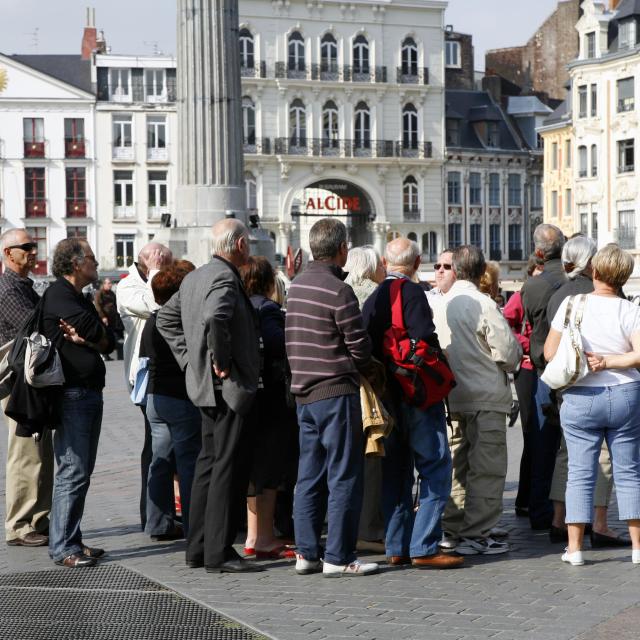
<point>460,76</point>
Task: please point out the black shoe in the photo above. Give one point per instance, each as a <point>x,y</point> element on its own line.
<point>235,566</point>
<point>176,534</point>
<point>558,535</point>
<point>514,413</point>
<point>522,512</point>
<point>600,541</point>
<point>93,552</point>
<point>195,564</point>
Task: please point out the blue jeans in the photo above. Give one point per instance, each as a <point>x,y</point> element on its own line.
<point>589,416</point>
<point>175,427</point>
<point>75,446</point>
<point>329,478</point>
<point>419,438</point>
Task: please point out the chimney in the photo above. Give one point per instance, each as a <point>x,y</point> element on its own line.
<point>492,84</point>
<point>90,35</point>
<point>613,4</point>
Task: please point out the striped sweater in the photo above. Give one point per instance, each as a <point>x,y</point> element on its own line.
<point>326,341</point>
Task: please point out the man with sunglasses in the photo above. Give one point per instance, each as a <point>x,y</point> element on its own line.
<point>445,276</point>
<point>29,471</point>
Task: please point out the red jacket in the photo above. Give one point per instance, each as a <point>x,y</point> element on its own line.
<point>514,313</point>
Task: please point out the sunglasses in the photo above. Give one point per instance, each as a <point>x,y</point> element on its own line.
<point>446,267</point>
<point>27,246</point>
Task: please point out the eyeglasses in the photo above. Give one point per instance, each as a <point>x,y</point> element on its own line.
<point>27,246</point>
<point>446,267</point>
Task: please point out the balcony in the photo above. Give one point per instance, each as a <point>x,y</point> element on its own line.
<point>156,212</point>
<point>34,149</point>
<point>411,214</point>
<point>74,148</point>
<point>297,72</point>
<point>76,208</point>
<point>342,148</point>
<point>258,70</point>
<point>626,237</point>
<point>157,154</point>
<point>154,94</point>
<point>626,168</point>
<point>326,71</point>
<point>364,74</point>
<point>414,150</point>
<point>35,208</point>
<point>256,146</point>
<point>414,75</point>
<point>123,154</point>
<point>124,212</point>
<point>331,72</point>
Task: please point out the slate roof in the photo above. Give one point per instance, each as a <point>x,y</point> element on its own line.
<point>467,106</point>
<point>561,114</point>
<point>71,69</point>
<point>628,8</point>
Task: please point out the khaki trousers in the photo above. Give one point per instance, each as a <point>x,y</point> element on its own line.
<point>604,479</point>
<point>29,482</point>
<point>478,444</point>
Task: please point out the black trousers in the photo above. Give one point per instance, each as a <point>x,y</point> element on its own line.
<point>218,495</point>
<point>525,383</point>
<point>145,463</point>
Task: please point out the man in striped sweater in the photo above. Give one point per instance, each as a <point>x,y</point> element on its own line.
<point>327,346</point>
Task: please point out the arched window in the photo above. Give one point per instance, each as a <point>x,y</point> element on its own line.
<point>297,124</point>
<point>330,132</point>
<point>360,55</point>
<point>328,54</point>
<point>248,121</point>
<point>429,245</point>
<point>252,193</point>
<point>392,235</point>
<point>594,160</point>
<point>362,126</point>
<point>410,127</point>
<point>296,52</point>
<point>412,236</point>
<point>247,59</point>
<point>410,195</point>
<point>409,57</point>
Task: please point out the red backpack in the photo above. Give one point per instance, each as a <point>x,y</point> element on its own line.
<point>421,370</point>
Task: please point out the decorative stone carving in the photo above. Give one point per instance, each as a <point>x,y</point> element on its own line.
<point>284,170</point>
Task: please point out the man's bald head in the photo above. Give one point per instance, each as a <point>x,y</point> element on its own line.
<point>226,237</point>
<point>18,259</point>
<point>402,255</point>
<point>13,237</point>
<point>152,247</point>
<point>548,241</point>
<point>154,256</point>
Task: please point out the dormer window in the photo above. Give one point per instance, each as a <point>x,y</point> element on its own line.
<point>627,34</point>
<point>453,132</point>
<point>452,53</point>
<point>493,134</point>
<point>590,44</point>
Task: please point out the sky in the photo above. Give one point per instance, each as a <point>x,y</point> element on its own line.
<point>55,26</point>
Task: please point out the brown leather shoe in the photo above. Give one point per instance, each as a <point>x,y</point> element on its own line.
<point>31,539</point>
<point>77,561</point>
<point>438,561</point>
<point>397,561</point>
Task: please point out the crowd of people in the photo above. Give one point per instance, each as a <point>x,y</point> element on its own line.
<point>286,411</point>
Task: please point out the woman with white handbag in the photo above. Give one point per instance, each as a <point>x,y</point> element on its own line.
<point>593,350</point>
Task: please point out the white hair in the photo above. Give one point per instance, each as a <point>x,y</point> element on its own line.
<point>362,263</point>
<point>10,237</point>
<point>225,235</point>
<point>406,257</point>
<point>578,251</point>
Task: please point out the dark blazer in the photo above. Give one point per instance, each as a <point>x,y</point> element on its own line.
<point>211,319</point>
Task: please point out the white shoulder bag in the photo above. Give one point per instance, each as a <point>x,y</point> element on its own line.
<point>569,364</point>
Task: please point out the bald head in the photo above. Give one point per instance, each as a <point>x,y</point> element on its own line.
<point>13,237</point>
<point>226,237</point>
<point>402,255</point>
<point>548,241</point>
<point>154,256</point>
<point>16,253</point>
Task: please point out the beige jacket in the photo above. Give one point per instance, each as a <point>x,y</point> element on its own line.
<point>376,421</point>
<point>480,346</point>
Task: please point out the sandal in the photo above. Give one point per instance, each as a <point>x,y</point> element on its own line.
<point>249,551</point>
<point>277,553</point>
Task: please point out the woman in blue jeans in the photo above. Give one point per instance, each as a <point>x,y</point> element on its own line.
<point>605,404</point>
<point>174,420</point>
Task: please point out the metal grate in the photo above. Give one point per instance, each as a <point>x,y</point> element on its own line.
<point>104,603</point>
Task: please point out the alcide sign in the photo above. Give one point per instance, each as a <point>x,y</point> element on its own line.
<point>331,198</point>
<point>333,203</point>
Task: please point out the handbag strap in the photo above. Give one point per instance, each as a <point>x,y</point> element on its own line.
<point>567,315</point>
<point>580,311</point>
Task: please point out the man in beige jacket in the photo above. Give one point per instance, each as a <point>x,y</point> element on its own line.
<point>481,349</point>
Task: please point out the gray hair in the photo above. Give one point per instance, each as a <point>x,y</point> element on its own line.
<point>225,235</point>
<point>362,263</point>
<point>9,237</point>
<point>66,254</point>
<point>326,237</point>
<point>548,239</point>
<point>468,263</point>
<point>578,251</point>
<point>402,254</point>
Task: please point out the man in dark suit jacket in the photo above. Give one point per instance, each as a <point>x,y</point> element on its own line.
<point>213,332</point>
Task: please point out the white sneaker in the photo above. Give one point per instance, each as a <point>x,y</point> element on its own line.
<point>448,541</point>
<point>481,546</point>
<point>635,556</point>
<point>575,559</point>
<point>355,569</point>
<point>499,532</point>
<point>305,567</point>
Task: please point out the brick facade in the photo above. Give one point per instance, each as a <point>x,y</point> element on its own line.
<point>462,77</point>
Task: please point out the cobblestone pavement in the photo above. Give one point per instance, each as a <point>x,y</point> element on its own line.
<point>526,594</point>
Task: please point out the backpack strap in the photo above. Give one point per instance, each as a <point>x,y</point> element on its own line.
<point>395,298</point>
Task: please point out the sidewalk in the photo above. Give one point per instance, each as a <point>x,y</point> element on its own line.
<point>526,594</point>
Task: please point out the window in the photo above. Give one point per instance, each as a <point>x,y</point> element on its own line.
<point>328,54</point>
<point>515,190</point>
<point>76,184</point>
<point>567,154</point>
<point>582,101</point>
<point>247,59</point>
<point>594,225</point>
<point>536,192</point>
<point>495,244</point>
<point>430,245</point>
<point>120,85</point>
<point>297,124</point>
<point>409,57</point>
<point>296,52</point>
<point>410,195</point>
<point>515,242</point>
<point>122,136</point>
<point>248,121</point>
<point>453,187</point>
<point>33,132</point>
<point>475,232</point>
<point>123,194</point>
<point>124,250</point>
<point>35,192</point>
<point>452,53</point>
<point>74,137</point>
<point>362,126</point>
<point>627,34</point>
<point>554,204</point>
<point>155,87</point>
<point>475,188</point>
<point>455,235</point>
<point>584,223</point>
<point>330,132</point>
<point>626,93</point>
<point>594,160</point>
<point>582,161</point>
<point>554,156</point>
<point>626,156</point>
<point>251,191</point>
<point>157,138</point>
<point>453,132</point>
<point>627,229</point>
<point>360,55</point>
<point>39,235</point>
<point>493,134</point>
<point>594,100</point>
<point>157,181</point>
<point>568,203</point>
<point>590,44</point>
<point>494,189</point>
<point>80,233</point>
<point>410,127</point>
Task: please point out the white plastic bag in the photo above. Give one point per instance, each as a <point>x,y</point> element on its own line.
<point>42,366</point>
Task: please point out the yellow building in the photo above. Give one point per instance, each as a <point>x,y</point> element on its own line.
<point>557,135</point>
